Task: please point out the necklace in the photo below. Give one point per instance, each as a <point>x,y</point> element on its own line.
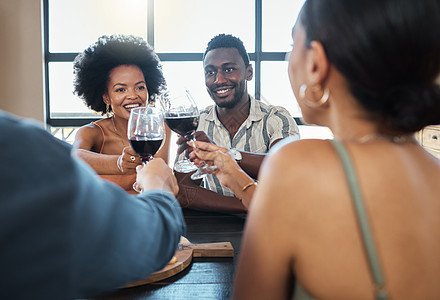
<point>397,139</point>
<point>117,132</point>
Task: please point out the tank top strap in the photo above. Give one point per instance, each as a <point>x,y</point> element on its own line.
<point>103,135</point>
<point>362,218</point>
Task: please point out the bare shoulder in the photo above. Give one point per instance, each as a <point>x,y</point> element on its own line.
<point>300,175</point>
<point>302,156</point>
<point>293,191</point>
<point>88,136</point>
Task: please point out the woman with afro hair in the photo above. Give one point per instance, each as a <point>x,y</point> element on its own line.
<point>112,76</point>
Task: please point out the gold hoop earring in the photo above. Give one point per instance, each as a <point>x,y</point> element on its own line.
<point>313,104</point>
<point>151,101</point>
<point>107,110</point>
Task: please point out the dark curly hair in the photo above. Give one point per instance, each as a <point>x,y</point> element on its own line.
<point>228,41</point>
<point>92,67</point>
<point>389,53</point>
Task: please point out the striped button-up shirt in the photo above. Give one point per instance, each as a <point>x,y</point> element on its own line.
<point>264,125</point>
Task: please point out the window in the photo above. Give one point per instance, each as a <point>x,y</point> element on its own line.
<point>179,32</point>
<point>187,26</point>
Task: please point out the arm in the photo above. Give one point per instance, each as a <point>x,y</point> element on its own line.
<point>90,235</point>
<point>194,196</point>
<point>279,125</point>
<point>290,213</point>
<point>265,268</point>
<point>87,144</point>
<point>228,171</point>
<point>121,238</point>
<point>250,162</point>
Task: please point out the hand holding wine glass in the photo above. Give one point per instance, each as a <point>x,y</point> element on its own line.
<point>182,117</point>
<point>184,147</point>
<point>146,132</point>
<point>220,157</point>
<point>157,175</point>
<point>226,169</point>
<point>127,161</point>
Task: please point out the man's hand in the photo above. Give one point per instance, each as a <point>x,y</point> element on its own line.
<point>156,175</point>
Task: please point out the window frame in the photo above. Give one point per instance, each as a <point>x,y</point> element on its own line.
<point>256,57</point>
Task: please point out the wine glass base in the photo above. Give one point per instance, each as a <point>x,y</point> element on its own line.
<point>184,166</point>
<point>198,175</point>
<point>203,171</point>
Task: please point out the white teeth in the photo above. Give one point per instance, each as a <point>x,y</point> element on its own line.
<point>222,91</point>
<point>129,106</point>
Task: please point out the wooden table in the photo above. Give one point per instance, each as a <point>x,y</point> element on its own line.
<point>205,278</point>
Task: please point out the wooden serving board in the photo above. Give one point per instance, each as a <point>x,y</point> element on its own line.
<point>184,255</point>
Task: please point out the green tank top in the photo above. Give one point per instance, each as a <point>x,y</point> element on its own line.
<point>370,249</point>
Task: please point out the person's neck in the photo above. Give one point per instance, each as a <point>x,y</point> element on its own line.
<point>355,126</point>
<point>232,118</point>
<point>352,130</point>
<point>344,116</point>
<point>120,125</point>
<point>348,120</point>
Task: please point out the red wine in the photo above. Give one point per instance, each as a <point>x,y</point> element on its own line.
<point>146,148</point>
<point>183,125</point>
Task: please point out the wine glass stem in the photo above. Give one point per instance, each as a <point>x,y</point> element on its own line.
<point>146,160</point>
<point>192,139</point>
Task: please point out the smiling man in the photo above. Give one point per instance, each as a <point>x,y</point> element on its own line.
<point>237,121</point>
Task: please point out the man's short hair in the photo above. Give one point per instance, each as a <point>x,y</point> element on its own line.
<point>228,41</point>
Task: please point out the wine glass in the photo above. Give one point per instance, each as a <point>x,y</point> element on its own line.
<point>182,117</point>
<point>146,132</point>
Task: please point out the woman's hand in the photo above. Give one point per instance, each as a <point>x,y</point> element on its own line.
<point>128,161</point>
<point>183,145</point>
<point>221,157</point>
<point>228,171</point>
<point>156,175</point>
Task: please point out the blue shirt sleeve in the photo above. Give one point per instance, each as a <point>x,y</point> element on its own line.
<point>64,232</point>
<point>118,238</point>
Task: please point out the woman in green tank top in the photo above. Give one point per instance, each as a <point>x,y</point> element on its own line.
<point>359,217</point>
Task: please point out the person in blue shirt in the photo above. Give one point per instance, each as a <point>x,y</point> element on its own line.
<point>64,232</point>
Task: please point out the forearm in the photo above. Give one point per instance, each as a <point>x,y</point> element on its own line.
<point>242,185</point>
<point>193,196</point>
<point>202,199</point>
<point>153,220</point>
<point>251,163</point>
<point>156,225</point>
<point>103,164</point>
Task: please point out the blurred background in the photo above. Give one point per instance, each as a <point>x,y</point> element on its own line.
<point>40,39</point>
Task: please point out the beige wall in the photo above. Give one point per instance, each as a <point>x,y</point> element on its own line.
<point>21,76</point>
